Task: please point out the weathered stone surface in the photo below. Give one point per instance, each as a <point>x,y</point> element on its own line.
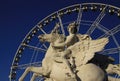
<point>72,58</point>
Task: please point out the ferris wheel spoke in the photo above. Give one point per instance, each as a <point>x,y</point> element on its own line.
<point>102,28</point>
<point>115,40</point>
<point>39,78</point>
<point>110,51</point>
<point>79,17</point>
<point>85,24</point>
<point>96,22</point>
<point>87,21</point>
<point>61,24</point>
<point>24,66</point>
<point>42,30</point>
<point>45,46</point>
<point>35,48</point>
<point>111,32</point>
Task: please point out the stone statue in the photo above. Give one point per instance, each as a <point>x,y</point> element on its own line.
<point>71,58</point>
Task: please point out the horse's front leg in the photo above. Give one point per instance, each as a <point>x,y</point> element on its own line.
<point>34,76</point>
<point>25,73</point>
<point>38,70</point>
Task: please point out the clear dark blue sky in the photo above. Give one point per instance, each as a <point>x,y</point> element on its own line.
<point>17,17</point>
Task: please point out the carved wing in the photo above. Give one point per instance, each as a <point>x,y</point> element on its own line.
<point>84,51</point>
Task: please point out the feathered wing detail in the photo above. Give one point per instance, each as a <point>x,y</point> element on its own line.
<point>84,51</point>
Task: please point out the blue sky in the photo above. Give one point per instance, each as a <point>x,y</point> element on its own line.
<point>17,17</point>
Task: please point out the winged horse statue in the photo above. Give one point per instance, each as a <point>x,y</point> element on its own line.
<point>78,55</point>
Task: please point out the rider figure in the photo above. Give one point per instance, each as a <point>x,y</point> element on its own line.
<point>70,40</point>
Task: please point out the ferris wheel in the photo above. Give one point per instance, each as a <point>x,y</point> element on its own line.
<point>95,19</point>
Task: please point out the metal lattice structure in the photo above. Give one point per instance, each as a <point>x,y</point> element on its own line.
<point>32,48</point>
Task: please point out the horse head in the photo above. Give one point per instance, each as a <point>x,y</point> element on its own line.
<point>51,38</point>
